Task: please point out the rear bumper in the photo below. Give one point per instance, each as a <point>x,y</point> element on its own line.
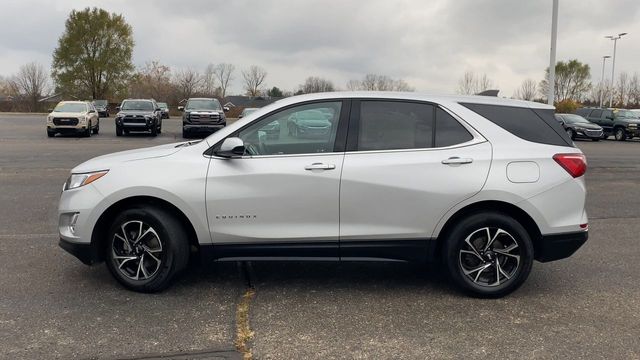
<point>559,246</point>
<point>87,253</point>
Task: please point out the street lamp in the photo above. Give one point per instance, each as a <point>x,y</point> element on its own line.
<point>613,66</point>
<point>604,59</point>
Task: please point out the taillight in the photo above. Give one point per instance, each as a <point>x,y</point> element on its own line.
<point>575,164</point>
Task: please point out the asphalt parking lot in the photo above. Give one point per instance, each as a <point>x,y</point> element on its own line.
<point>52,306</point>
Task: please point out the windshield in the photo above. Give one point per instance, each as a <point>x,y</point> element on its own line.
<point>162,105</point>
<point>203,104</point>
<point>574,119</point>
<point>71,107</point>
<point>137,105</point>
<point>626,114</point>
<point>100,102</point>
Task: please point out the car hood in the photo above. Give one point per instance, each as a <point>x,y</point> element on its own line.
<point>108,161</point>
<point>630,120</point>
<point>204,112</point>
<point>135,112</point>
<point>67,114</point>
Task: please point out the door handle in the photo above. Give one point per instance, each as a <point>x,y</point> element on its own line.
<point>454,160</point>
<point>320,166</point>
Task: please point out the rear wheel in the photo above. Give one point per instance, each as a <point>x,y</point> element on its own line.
<point>620,134</point>
<point>488,254</point>
<point>146,249</point>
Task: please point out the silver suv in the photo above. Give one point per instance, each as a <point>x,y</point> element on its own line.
<point>483,185</point>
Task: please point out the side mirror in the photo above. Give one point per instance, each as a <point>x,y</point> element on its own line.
<point>158,109</point>
<point>232,147</point>
<point>91,111</point>
<point>180,108</point>
<point>117,108</point>
<point>226,108</point>
<point>610,117</point>
<point>50,110</point>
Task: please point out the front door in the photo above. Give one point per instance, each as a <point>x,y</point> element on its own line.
<point>282,196</point>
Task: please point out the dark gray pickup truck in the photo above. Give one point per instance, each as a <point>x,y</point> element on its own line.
<point>621,123</point>
<point>202,115</point>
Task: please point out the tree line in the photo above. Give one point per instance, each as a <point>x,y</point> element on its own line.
<point>93,60</point>
<point>572,85</point>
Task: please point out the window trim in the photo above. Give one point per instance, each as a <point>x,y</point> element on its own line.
<point>339,145</point>
<point>354,128</point>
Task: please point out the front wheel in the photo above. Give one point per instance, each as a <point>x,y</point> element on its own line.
<point>146,248</point>
<point>571,134</point>
<point>118,130</point>
<point>620,134</point>
<point>488,254</point>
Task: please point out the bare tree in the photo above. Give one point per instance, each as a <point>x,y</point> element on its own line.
<point>187,82</point>
<point>315,84</point>
<point>153,80</point>
<point>622,89</point>
<point>471,84</point>
<point>253,79</point>
<point>527,90</point>
<point>224,74</point>
<point>31,82</point>
<point>634,91</point>
<point>209,80</point>
<point>375,82</point>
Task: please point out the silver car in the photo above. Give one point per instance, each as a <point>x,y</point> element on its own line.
<point>73,117</point>
<point>482,185</point>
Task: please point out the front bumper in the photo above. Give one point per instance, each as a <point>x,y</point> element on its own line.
<point>203,127</point>
<point>67,129</point>
<point>559,246</point>
<point>87,253</point>
<point>589,134</point>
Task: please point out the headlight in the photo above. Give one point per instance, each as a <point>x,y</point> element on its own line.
<point>82,119</point>
<point>78,180</point>
<point>49,119</point>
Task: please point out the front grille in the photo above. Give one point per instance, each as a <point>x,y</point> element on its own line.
<point>204,118</point>
<point>65,121</point>
<point>134,119</point>
<point>593,132</point>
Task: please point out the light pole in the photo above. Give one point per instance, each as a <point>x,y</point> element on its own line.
<point>613,65</point>
<point>552,55</point>
<point>604,59</point>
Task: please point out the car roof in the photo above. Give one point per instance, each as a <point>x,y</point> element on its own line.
<point>138,100</point>
<point>474,99</point>
<point>73,102</point>
<point>202,99</point>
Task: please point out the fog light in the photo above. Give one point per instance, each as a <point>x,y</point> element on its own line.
<point>72,223</point>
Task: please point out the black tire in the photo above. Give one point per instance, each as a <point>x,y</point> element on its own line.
<point>96,130</point>
<point>154,130</point>
<point>51,133</point>
<point>458,254</point>
<point>571,133</point>
<point>595,139</point>
<point>168,236</point>
<point>87,132</point>
<point>118,130</point>
<point>185,134</point>
<point>620,134</point>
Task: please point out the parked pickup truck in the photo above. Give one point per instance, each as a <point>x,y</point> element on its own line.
<point>202,115</point>
<point>622,124</point>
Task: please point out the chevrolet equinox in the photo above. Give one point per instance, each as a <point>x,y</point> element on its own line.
<point>483,185</point>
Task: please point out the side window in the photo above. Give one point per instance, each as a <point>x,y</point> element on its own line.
<point>607,114</point>
<point>449,131</point>
<point>305,129</point>
<point>392,125</point>
<point>596,113</point>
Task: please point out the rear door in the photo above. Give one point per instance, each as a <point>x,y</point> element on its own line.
<point>406,164</point>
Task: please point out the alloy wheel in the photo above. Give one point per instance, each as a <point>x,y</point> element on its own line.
<point>137,250</point>
<point>489,257</point>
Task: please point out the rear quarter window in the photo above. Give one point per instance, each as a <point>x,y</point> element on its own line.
<point>537,125</point>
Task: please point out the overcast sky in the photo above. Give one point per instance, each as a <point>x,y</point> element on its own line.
<point>428,43</point>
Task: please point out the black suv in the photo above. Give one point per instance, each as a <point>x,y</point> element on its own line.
<point>621,123</point>
<point>138,115</point>
<point>102,106</point>
<point>202,115</point>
